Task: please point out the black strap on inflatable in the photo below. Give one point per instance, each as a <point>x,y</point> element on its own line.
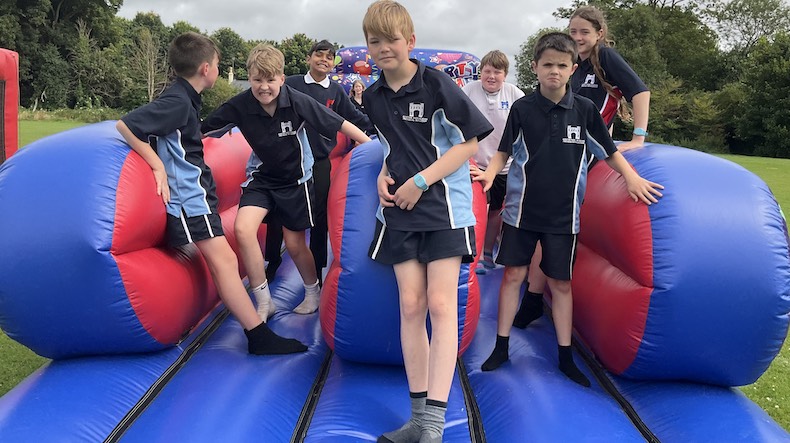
<point>154,390</point>
<point>606,383</point>
<point>2,122</point>
<point>476,432</point>
<point>308,410</point>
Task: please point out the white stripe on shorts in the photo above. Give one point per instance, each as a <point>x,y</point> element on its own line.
<point>309,208</point>
<point>378,243</point>
<point>468,241</point>
<point>208,226</point>
<point>185,226</point>
<point>573,253</point>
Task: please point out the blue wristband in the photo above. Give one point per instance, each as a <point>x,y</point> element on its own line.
<point>419,180</point>
<point>640,131</point>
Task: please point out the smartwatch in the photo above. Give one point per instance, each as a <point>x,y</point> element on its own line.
<point>419,180</point>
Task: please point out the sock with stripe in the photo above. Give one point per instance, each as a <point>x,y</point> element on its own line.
<point>433,421</point>
<point>409,432</point>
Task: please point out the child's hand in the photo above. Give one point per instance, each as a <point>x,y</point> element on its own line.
<point>644,190</point>
<point>631,144</point>
<point>383,183</point>
<point>407,195</point>
<point>162,188</point>
<point>479,175</point>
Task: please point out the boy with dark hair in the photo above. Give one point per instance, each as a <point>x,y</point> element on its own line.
<point>425,225</point>
<point>316,84</point>
<point>493,96</point>
<point>273,118</point>
<point>549,134</point>
<point>166,134</point>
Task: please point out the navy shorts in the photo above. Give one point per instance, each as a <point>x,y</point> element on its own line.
<point>518,246</point>
<point>391,247</point>
<point>184,230</point>
<point>496,194</point>
<point>291,206</point>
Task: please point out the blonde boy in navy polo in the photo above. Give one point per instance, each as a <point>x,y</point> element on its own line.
<point>272,118</point>
<point>171,125</point>
<point>549,134</point>
<point>425,228</point>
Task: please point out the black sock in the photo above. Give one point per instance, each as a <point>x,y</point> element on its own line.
<point>499,355</point>
<point>568,367</point>
<point>263,341</point>
<point>530,310</point>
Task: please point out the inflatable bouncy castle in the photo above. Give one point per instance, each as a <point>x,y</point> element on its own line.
<point>676,303</point>
<point>9,96</point>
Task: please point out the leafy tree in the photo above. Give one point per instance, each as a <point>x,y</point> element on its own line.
<point>295,50</point>
<point>741,23</point>
<point>525,77</point>
<point>148,64</point>
<point>234,52</point>
<point>219,94</point>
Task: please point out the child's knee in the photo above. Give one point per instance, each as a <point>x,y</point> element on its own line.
<point>514,275</point>
<point>412,307</point>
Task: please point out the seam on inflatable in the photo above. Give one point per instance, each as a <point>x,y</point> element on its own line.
<point>476,432</point>
<point>153,391</point>
<point>306,416</point>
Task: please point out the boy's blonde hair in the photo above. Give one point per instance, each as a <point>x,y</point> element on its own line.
<point>266,60</point>
<point>496,59</point>
<point>386,18</point>
<point>189,51</point>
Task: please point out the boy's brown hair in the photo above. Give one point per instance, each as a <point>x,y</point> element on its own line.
<point>558,41</point>
<point>496,59</point>
<point>386,18</point>
<point>266,60</point>
<point>190,50</point>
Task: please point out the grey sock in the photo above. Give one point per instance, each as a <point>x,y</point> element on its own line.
<point>433,421</point>
<point>409,432</point>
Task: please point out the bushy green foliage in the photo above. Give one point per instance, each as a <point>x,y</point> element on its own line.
<point>217,95</point>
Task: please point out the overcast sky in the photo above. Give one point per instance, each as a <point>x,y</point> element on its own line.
<point>475,26</point>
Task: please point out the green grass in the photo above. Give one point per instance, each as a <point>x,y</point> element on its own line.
<point>771,391</point>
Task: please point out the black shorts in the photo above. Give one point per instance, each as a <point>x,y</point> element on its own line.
<point>184,230</point>
<point>518,246</point>
<point>291,206</point>
<point>496,194</point>
<point>392,247</point>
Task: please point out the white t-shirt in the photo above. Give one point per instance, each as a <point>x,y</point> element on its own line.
<point>495,107</point>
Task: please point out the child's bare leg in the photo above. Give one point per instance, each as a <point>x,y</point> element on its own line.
<point>303,259</point>
<point>411,277</point>
<point>508,302</point>
<point>224,268</point>
<point>248,220</point>
<point>562,313</point>
<point>531,307</point>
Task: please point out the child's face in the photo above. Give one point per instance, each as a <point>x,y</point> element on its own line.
<point>320,63</point>
<point>212,72</point>
<point>388,54</point>
<point>553,69</point>
<point>265,88</point>
<point>584,34</point>
<point>358,88</point>
<point>492,78</point>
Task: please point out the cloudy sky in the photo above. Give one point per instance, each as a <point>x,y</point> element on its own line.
<point>475,26</point>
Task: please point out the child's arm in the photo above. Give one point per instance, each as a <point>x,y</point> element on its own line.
<point>638,187</point>
<point>408,193</point>
<point>383,184</point>
<point>150,156</point>
<point>353,132</point>
<point>495,165</point>
<point>641,104</point>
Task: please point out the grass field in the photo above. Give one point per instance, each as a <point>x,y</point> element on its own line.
<point>771,391</point>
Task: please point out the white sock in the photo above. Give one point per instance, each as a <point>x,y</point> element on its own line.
<point>310,302</point>
<point>263,298</point>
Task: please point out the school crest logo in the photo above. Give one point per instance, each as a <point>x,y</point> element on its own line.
<point>504,105</point>
<point>416,113</point>
<point>589,81</point>
<point>574,134</point>
<point>286,129</point>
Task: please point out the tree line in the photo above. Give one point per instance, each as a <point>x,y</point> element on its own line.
<point>719,71</point>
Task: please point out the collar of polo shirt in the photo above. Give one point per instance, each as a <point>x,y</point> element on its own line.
<point>309,79</point>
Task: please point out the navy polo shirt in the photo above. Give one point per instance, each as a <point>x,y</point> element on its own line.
<point>335,99</point>
<point>279,140</point>
<point>550,144</point>
<point>416,126</point>
<point>618,74</point>
<point>171,123</point>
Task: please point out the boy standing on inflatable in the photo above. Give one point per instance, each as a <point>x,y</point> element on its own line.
<point>550,134</point>
<point>185,183</point>
<point>604,77</point>
<point>425,224</point>
<point>273,118</point>
<point>493,97</point>
<point>316,84</point>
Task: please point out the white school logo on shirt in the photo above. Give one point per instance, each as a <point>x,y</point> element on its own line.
<point>574,135</point>
<point>589,81</point>
<point>416,112</point>
<point>286,129</point>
